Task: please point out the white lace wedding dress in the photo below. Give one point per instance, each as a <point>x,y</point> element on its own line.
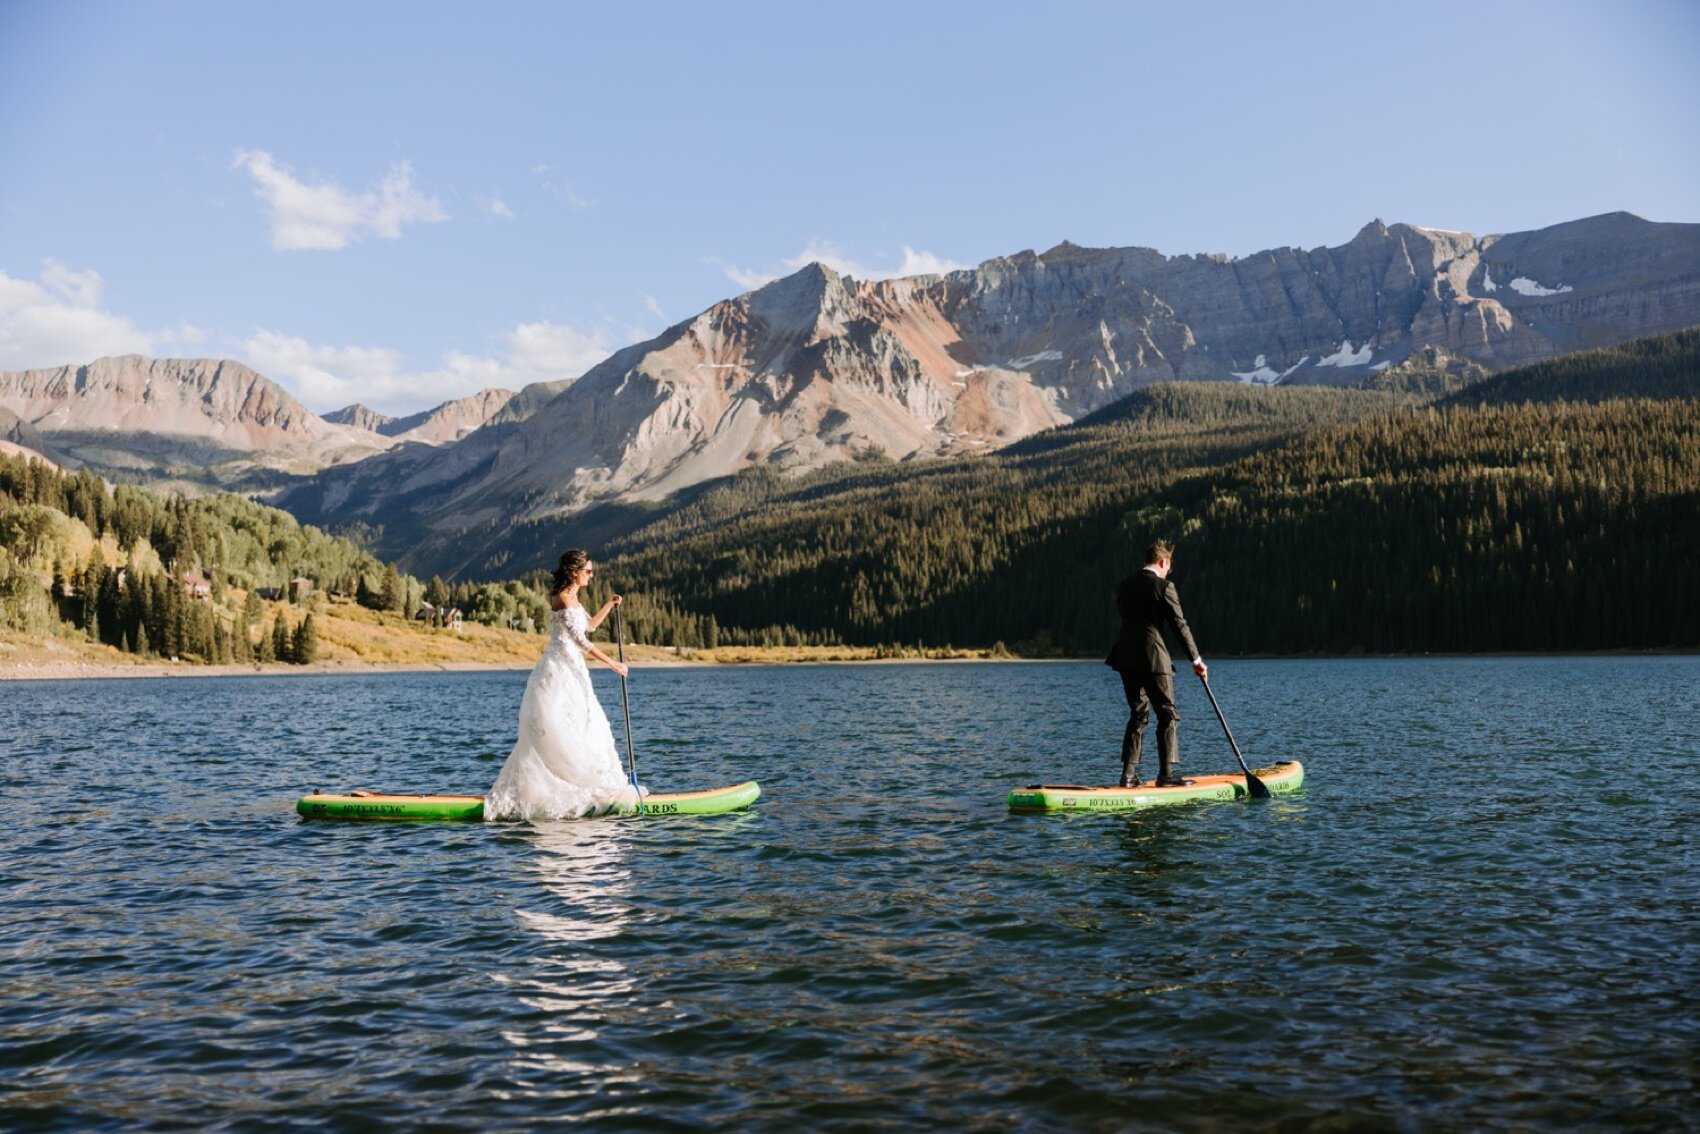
<point>564,765</point>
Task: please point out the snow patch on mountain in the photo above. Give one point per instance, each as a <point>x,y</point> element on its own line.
<point>1346,356</point>
<point>1029,360</point>
<point>1523,285</point>
<point>1263,374</point>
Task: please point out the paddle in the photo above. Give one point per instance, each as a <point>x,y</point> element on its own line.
<point>626,706</point>
<point>1252,783</point>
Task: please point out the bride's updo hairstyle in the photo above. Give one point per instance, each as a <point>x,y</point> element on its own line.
<point>572,562</point>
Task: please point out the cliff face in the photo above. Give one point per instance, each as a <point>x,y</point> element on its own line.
<point>1096,323</point>
<point>817,367</point>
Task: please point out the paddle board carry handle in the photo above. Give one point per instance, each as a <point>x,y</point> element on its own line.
<point>1257,788</point>
<point>626,707</point>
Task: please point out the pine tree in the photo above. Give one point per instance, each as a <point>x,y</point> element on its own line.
<point>281,644</point>
<point>178,641</point>
<point>89,592</point>
<point>305,649</point>
<point>267,649</point>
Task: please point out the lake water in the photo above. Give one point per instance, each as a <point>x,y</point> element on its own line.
<point>1482,911</point>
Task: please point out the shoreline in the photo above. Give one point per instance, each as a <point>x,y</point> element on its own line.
<point>67,670</point>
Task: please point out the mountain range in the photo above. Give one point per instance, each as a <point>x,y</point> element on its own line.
<point>195,424</point>
<point>819,367</point>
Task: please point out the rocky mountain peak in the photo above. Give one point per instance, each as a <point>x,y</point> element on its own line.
<point>360,417</point>
<point>808,304</point>
<point>1066,250</point>
<point>1372,233</point>
<point>450,421</point>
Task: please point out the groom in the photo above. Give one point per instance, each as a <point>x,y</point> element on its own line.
<point>1146,602</point>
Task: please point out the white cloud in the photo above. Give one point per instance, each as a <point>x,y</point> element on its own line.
<point>326,216</point>
<point>81,289</point>
<point>562,188</point>
<point>653,306</point>
<point>834,256</point>
<point>917,263</point>
<point>546,352</point>
<point>495,207</point>
<point>329,377</point>
<point>745,278</point>
<point>57,320</point>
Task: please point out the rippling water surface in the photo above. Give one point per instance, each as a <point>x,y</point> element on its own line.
<point>1481,911</point>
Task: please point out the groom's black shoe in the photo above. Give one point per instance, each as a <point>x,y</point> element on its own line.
<point>1174,781</point>
<point>1130,774</point>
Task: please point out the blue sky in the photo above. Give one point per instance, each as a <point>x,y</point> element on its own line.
<point>401,203</point>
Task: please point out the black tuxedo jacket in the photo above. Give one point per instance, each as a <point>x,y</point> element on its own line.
<point>1146,603</point>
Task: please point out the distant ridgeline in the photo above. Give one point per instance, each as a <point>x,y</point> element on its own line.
<point>1553,507</point>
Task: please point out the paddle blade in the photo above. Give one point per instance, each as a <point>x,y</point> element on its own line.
<point>1256,787</point>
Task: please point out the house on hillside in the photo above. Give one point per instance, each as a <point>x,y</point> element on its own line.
<point>195,585</point>
<point>300,587</point>
<point>447,617</point>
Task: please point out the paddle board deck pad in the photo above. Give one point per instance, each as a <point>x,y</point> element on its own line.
<point>710,802</point>
<point>1286,776</point>
<point>377,805</point>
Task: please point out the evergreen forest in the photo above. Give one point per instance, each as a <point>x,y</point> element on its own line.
<point>1553,507</point>
<point>210,579</point>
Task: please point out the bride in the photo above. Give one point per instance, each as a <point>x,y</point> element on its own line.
<point>564,764</point>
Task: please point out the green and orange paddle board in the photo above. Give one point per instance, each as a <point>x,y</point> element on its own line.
<point>1286,776</point>
<point>377,805</point>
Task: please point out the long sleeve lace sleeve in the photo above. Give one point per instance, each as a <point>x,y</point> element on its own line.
<point>578,629</point>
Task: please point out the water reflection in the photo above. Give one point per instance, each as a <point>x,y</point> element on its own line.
<point>574,986</point>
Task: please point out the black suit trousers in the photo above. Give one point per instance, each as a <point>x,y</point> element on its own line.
<point>1147,692</point>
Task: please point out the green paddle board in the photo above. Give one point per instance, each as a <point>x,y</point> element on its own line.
<point>377,805</point>
<point>1286,776</point>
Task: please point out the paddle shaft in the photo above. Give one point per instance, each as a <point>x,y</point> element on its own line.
<point>1255,786</point>
<point>626,705</point>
